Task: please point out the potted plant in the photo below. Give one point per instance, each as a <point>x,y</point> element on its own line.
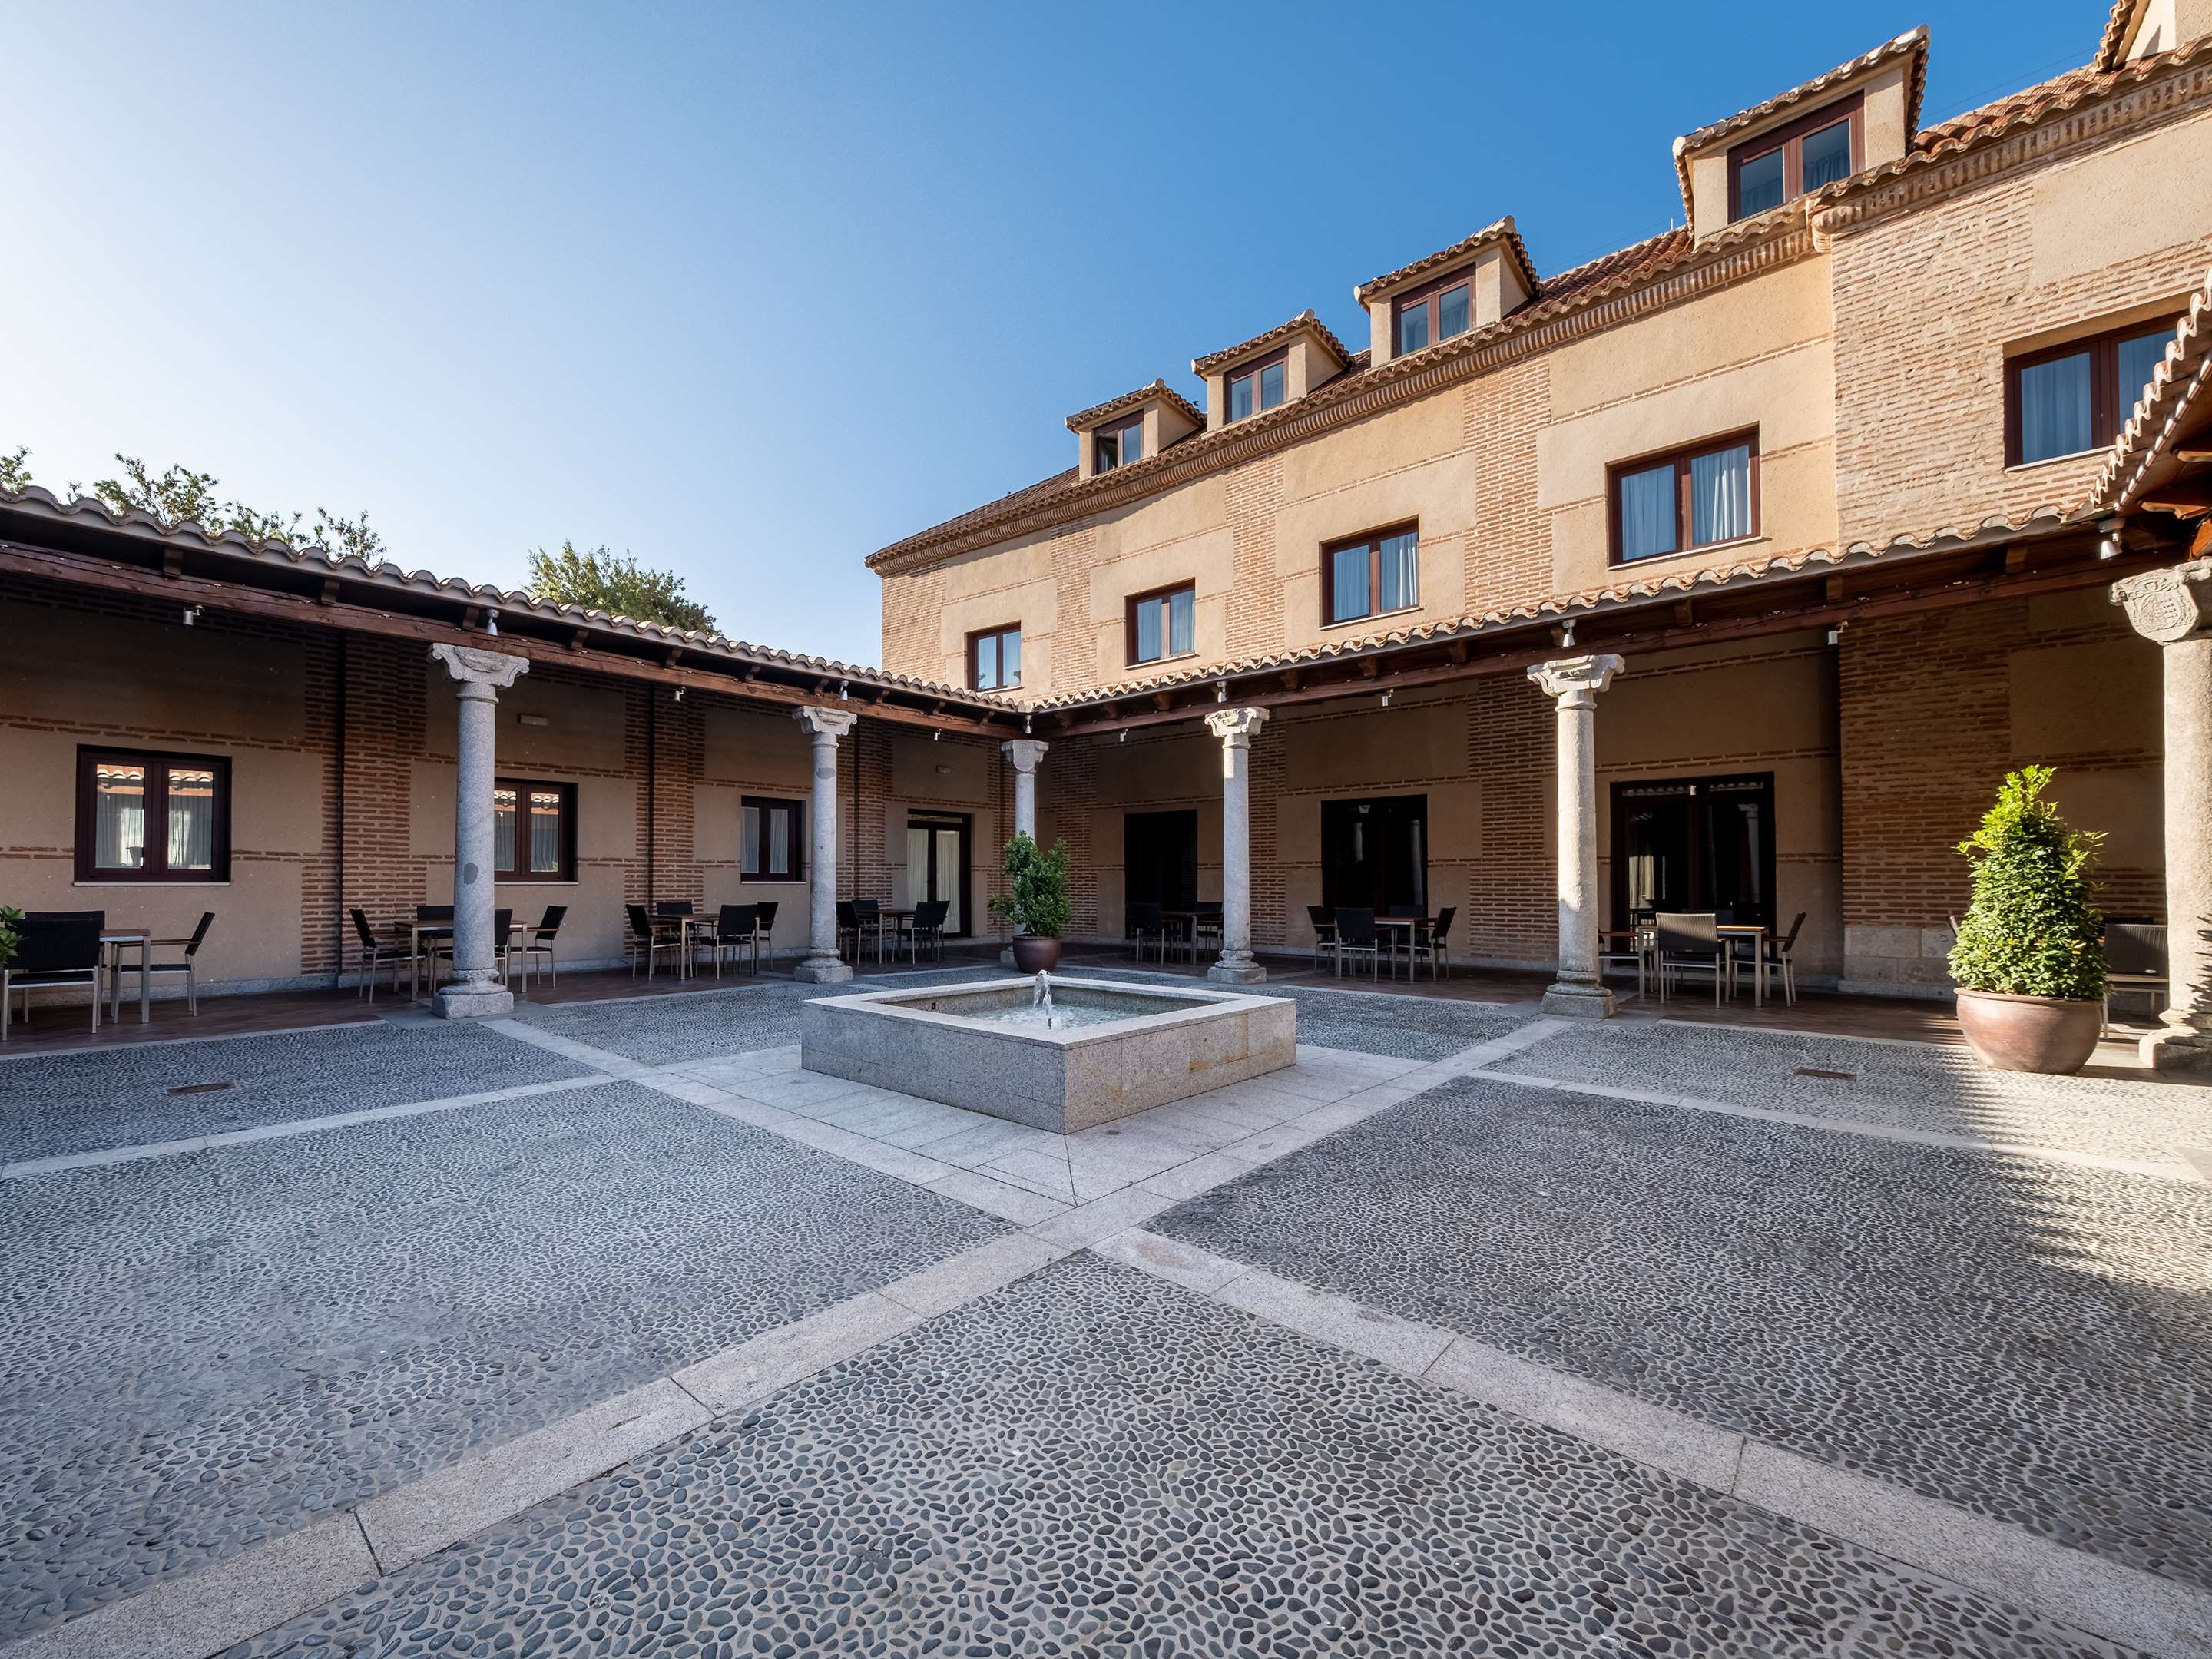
<point>2030,957</point>
<point>11,918</point>
<point>1037,907</point>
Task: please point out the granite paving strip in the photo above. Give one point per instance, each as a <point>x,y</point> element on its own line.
<point>1089,1461</point>
<point>60,1104</point>
<point>208,1351</point>
<point>2026,1340</point>
<point>1938,1088</point>
<point>2154,1615</point>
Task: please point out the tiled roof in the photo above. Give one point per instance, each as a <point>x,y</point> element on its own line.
<point>1682,583</point>
<point>2176,400</point>
<point>1085,419</point>
<point>2116,35</point>
<point>1914,42</point>
<point>1499,230</point>
<point>42,503</point>
<point>1305,323</point>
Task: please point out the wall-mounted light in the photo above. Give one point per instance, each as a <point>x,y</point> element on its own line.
<point>192,615</point>
<point>1125,735</point>
<point>680,690</point>
<point>531,719</point>
<point>1025,726</point>
<point>1386,699</point>
<point>491,624</point>
<point>2108,538</point>
<point>1221,690</point>
<point>937,736</point>
<point>844,691</point>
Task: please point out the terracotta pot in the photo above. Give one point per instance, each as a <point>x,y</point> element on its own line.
<point>1036,955</point>
<point>2052,1035</point>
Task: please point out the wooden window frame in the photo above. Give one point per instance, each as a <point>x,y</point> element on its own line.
<point>1681,457</point>
<point>974,670</point>
<point>1250,370</point>
<point>1129,625</point>
<point>522,787</point>
<point>2105,415</point>
<point>797,809</point>
<point>1430,296</point>
<point>1114,429</point>
<point>1374,538</point>
<point>1790,139</point>
<point>156,762</point>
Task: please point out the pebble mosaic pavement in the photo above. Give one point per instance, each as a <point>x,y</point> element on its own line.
<point>120,1097</point>
<point>202,1351</point>
<point>2028,1339</point>
<point>1402,1027</point>
<point>1933,1086</point>
<point>1091,1463</point>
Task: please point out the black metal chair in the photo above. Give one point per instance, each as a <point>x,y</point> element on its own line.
<point>1690,943</point>
<point>736,928</point>
<point>372,955</point>
<point>1636,953</point>
<point>1323,921</point>
<point>55,950</point>
<point>434,948</point>
<point>186,966</point>
<point>677,908</point>
<point>1781,954</point>
<point>1358,935</point>
<point>766,910</point>
<point>1144,922</point>
<point>849,927</point>
<point>2135,960</point>
<point>1206,930</point>
<point>502,941</point>
<point>1432,940</point>
<point>927,930</point>
<point>538,941</point>
<point>648,941</point>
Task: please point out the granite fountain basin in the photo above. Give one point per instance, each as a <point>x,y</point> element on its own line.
<point>1100,1051</point>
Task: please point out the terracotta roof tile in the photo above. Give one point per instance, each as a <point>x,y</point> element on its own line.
<point>2116,35</point>
<point>1086,418</point>
<point>1305,323</point>
<point>2176,399</point>
<point>1501,231</point>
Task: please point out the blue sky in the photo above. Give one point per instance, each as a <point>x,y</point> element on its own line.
<point>751,292</point>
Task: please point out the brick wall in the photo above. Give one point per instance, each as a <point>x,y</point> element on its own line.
<point>1511,556</point>
<point>1255,602</point>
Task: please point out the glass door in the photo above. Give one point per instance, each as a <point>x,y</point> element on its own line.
<point>1695,844</point>
<point>1374,854</point>
<point>937,866</point>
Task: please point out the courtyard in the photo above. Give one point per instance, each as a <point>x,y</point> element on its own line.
<point>607,1328</point>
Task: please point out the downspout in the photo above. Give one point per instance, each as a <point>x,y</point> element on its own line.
<point>338,912</point>
<point>652,788</point>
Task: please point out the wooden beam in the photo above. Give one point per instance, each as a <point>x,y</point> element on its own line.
<point>329,593</point>
<point>1685,613</point>
<point>2191,454</point>
<point>2186,498</point>
<point>298,608</point>
<point>2015,559</point>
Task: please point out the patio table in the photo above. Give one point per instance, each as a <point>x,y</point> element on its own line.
<point>112,942</point>
<point>1757,935</point>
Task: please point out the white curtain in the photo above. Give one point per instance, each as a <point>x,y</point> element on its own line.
<point>948,878</point>
<point>1183,609</point>
<point>502,830</point>
<point>1647,513</point>
<point>2138,361</point>
<point>1348,582</point>
<point>2054,408</point>
<point>1720,496</point>
<point>544,832</point>
<point>121,795</point>
<point>1401,574</point>
<point>1148,631</point>
<point>191,819</point>
<point>917,864</point>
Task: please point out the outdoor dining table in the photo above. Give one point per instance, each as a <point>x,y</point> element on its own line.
<point>113,941</point>
<point>420,933</point>
<point>1644,939</point>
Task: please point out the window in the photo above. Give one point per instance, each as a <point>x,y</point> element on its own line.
<point>1259,386</point>
<point>771,840</point>
<point>1163,624</point>
<point>1694,844</point>
<point>1437,312</point>
<point>1118,445</point>
<point>1780,165</point>
<point>1370,574</point>
<point>143,816</point>
<point>1689,498</point>
<point>1374,855</point>
<point>994,659</point>
<point>2067,398</point>
<point>533,830</point>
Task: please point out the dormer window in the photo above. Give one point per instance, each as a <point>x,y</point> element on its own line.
<point>1789,161</point>
<point>1118,445</point>
<point>1435,312</point>
<point>1258,386</point>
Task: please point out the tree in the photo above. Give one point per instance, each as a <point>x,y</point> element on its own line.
<point>2032,929</point>
<point>179,494</point>
<point>15,476</point>
<point>598,580</point>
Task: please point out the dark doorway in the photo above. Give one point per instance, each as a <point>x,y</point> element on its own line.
<point>1159,859</point>
<point>1376,853</point>
<point>937,865</point>
<point>1695,844</point>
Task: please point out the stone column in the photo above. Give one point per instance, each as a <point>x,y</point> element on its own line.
<point>1575,681</point>
<point>474,990</point>
<point>1023,754</point>
<point>2174,607</point>
<point>1234,727</point>
<point>823,965</point>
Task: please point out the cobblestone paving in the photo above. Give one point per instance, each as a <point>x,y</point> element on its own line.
<point>1934,1086</point>
<point>1094,1463</point>
<point>201,1351</point>
<point>2028,1339</point>
<point>55,1105</point>
<point>688,1025</point>
<point>1402,1027</point>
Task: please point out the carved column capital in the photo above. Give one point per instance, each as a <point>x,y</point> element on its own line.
<point>1235,727</point>
<point>1576,681</point>
<point>2169,605</point>
<point>1024,753</point>
<point>470,666</point>
<point>830,723</point>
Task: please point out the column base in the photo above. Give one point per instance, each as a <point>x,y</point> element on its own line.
<point>472,1001</point>
<point>1247,972</point>
<point>2178,1048</point>
<point>1579,1001</point>
<point>1007,958</point>
<point>822,970</point>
